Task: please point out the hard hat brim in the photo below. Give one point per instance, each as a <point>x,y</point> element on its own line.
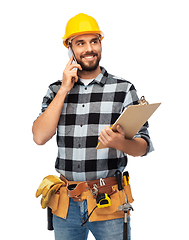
<point>66,39</point>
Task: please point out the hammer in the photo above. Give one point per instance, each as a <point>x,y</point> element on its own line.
<point>125,207</point>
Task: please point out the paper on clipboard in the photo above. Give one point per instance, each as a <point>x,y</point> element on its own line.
<point>132,119</point>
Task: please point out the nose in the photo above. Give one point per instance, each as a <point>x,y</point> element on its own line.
<point>88,47</point>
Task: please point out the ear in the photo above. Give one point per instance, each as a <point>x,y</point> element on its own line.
<point>100,46</point>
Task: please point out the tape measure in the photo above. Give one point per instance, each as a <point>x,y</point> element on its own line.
<point>103,200</point>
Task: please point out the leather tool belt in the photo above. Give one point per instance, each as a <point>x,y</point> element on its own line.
<point>89,190</point>
<point>96,187</point>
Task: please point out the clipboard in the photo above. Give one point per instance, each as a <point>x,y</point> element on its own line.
<point>133,118</point>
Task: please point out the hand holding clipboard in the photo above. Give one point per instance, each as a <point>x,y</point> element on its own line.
<point>133,118</point>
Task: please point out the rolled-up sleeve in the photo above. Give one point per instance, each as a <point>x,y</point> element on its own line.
<point>47,99</point>
<point>50,95</point>
<point>143,133</point>
<point>132,99</point>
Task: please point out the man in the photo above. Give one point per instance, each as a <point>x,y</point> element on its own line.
<point>81,108</point>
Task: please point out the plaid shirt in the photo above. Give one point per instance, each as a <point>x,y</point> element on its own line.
<point>86,111</point>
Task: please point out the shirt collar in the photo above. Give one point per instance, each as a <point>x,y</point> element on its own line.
<point>100,79</point>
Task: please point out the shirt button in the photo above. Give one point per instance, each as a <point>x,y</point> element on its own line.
<point>81,125</point>
<point>85,88</point>
<point>83,105</point>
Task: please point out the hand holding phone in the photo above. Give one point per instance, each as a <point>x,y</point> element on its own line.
<point>70,73</point>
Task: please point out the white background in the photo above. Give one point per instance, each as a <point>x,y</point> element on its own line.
<point>147,43</point>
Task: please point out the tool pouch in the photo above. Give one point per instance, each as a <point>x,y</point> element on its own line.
<point>59,203</point>
<point>128,192</point>
<point>111,212</point>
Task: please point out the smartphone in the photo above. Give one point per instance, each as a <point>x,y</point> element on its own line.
<point>70,53</point>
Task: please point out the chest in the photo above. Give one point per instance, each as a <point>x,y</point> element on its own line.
<point>92,106</point>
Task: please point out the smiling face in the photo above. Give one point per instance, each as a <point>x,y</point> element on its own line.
<point>87,50</point>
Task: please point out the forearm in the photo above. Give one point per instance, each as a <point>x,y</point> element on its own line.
<point>135,147</point>
<point>45,126</point>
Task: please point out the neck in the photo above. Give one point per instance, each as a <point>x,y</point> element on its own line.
<point>89,75</point>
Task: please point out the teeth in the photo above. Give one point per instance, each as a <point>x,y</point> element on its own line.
<point>88,57</point>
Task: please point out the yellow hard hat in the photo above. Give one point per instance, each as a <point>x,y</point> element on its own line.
<point>81,24</point>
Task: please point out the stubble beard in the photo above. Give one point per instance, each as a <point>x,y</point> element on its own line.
<point>90,66</point>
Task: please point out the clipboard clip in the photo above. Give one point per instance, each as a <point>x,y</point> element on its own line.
<point>142,101</point>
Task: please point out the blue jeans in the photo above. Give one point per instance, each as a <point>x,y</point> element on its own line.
<point>70,228</point>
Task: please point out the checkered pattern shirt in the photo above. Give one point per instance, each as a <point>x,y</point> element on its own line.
<point>86,111</point>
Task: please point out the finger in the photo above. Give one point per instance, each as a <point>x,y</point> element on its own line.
<point>69,62</point>
<point>75,65</point>
<point>108,131</point>
<point>107,127</point>
<point>104,135</point>
<point>102,139</point>
<point>74,76</point>
<point>120,130</point>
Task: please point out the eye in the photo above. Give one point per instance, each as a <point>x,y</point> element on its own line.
<point>94,41</point>
<point>80,44</point>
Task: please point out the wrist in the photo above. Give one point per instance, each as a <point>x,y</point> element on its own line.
<point>63,91</point>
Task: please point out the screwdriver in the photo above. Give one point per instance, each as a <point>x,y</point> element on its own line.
<point>126,178</point>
